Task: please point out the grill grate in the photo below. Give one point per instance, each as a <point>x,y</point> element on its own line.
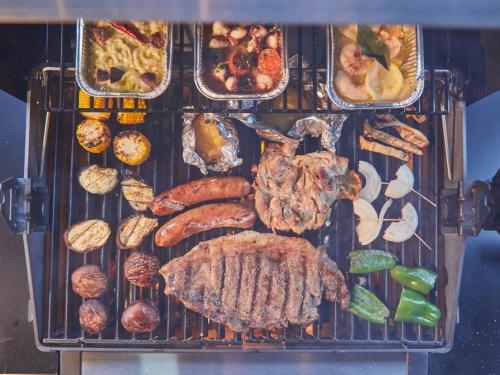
<point>182,329</point>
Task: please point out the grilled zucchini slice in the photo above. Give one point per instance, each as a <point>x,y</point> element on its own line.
<point>87,235</point>
<point>132,118</point>
<point>99,103</point>
<point>131,147</point>
<point>133,230</point>
<point>138,194</point>
<point>93,135</point>
<point>98,180</point>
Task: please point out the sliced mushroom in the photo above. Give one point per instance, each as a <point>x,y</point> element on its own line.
<point>373,183</point>
<point>402,185</point>
<point>403,230</point>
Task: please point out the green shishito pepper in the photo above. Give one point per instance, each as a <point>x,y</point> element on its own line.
<point>414,308</point>
<point>366,305</point>
<point>420,279</point>
<point>366,261</point>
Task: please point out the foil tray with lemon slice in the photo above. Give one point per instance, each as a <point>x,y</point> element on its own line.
<point>372,67</point>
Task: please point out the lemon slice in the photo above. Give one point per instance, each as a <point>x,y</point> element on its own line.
<point>383,84</point>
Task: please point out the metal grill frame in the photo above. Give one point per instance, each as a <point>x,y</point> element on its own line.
<point>45,150</point>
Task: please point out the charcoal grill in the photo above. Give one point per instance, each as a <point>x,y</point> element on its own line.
<point>48,199</point>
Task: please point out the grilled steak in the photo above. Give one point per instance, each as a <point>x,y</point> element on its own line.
<point>87,235</point>
<point>296,192</point>
<point>255,280</point>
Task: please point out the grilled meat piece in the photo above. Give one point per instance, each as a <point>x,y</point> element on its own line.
<point>138,194</point>
<point>201,190</point>
<point>378,135</point>
<point>297,192</point>
<point>200,219</point>
<point>98,180</point>
<point>133,230</point>
<point>87,235</point>
<point>364,144</point>
<point>407,132</point>
<point>255,280</point>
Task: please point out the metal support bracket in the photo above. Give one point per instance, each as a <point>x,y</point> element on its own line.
<point>24,206</point>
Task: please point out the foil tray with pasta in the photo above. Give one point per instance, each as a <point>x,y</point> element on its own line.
<point>131,59</point>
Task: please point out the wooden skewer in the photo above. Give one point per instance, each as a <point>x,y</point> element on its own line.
<point>419,194</point>
<point>423,242</point>
<point>424,198</point>
<point>392,220</point>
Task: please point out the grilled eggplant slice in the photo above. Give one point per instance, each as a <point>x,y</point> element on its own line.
<point>138,194</point>
<point>133,230</point>
<point>87,235</point>
<point>98,180</point>
<point>131,147</point>
<point>93,135</point>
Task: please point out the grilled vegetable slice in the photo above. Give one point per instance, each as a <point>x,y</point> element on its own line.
<point>378,135</point>
<point>98,180</point>
<point>99,103</point>
<point>87,235</point>
<point>132,118</point>
<point>367,261</point>
<point>133,230</point>
<point>373,183</point>
<point>407,132</point>
<point>366,305</point>
<point>403,230</point>
<point>414,308</point>
<point>402,185</point>
<point>420,279</point>
<point>138,194</point>
<point>131,147</point>
<point>364,144</point>
<point>93,135</point>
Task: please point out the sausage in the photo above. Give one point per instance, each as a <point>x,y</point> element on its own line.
<point>200,219</point>
<point>204,189</point>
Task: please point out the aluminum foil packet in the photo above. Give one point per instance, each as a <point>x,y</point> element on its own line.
<point>327,126</point>
<point>229,152</point>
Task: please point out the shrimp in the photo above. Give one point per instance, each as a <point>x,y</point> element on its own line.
<point>352,60</point>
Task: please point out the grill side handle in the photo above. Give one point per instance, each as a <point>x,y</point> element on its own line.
<point>23,206</point>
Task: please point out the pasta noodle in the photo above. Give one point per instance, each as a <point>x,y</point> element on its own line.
<point>123,52</point>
